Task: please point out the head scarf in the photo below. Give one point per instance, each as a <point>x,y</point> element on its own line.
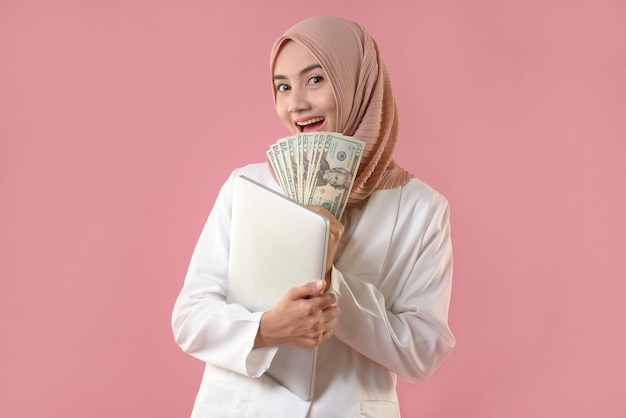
<point>366,106</point>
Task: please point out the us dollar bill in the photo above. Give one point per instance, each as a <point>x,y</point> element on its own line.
<point>277,167</point>
<point>317,168</point>
<point>290,174</point>
<point>335,172</point>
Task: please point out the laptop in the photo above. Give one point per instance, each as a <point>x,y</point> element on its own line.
<point>275,244</point>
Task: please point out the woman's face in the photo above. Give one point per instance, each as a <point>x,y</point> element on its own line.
<point>304,96</point>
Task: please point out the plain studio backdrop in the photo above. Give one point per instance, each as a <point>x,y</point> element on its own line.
<point>119,121</point>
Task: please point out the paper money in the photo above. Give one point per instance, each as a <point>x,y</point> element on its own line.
<point>317,168</point>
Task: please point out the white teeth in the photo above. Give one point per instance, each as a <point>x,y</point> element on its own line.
<point>310,121</point>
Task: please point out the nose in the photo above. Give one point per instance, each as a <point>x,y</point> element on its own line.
<point>297,100</point>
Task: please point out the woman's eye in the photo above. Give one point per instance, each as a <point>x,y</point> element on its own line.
<point>282,87</point>
<point>316,79</point>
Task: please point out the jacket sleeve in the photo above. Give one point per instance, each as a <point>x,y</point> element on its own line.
<point>204,324</point>
<point>401,322</point>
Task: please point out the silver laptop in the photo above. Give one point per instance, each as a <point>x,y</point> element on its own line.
<point>275,244</point>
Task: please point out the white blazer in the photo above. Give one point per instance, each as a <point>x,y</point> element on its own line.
<point>392,277</point>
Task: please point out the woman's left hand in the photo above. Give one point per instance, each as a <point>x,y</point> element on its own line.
<point>334,237</point>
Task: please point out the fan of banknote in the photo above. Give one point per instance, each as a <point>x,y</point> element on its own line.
<point>317,168</point>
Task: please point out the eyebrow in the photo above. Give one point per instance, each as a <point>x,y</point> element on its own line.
<point>304,71</point>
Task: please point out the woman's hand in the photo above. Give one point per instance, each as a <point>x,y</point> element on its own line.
<point>304,317</point>
<point>334,237</point>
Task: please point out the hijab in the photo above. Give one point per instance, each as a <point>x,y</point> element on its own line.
<point>366,106</point>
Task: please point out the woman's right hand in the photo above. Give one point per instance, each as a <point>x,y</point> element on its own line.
<point>304,317</point>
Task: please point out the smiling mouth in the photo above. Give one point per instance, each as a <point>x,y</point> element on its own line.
<point>310,125</point>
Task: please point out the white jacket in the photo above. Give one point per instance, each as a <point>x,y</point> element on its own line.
<point>392,276</point>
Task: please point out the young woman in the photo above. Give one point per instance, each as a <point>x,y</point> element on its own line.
<point>384,310</point>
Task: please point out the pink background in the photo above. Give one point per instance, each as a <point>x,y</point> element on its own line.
<point>119,120</point>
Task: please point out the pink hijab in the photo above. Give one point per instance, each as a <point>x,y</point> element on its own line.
<point>366,106</point>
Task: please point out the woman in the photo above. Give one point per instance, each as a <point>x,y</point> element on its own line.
<point>384,310</point>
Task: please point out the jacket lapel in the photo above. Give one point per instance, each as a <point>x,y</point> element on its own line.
<point>370,233</point>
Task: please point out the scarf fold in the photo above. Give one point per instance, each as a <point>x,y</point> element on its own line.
<point>366,106</point>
